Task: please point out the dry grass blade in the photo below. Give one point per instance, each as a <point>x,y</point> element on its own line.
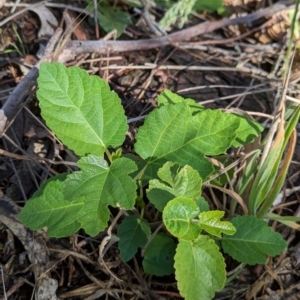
<point>233,195</point>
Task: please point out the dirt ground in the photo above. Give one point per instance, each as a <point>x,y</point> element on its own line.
<point>239,66</point>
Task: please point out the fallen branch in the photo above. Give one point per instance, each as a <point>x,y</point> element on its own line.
<point>73,48</point>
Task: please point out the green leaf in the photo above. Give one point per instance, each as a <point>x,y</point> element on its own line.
<point>80,109</point>
<point>81,200</point>
<point>168,172</point>
<point>202,204</point>
<point>247,131</point>
<point>101,185</point>
<point>49,208</point>
<point>158,194</point>
<point>184,182</point>
<point>211,223</point>
<point>210,6</point>
<point>172,133</point>
<point>249,173</point>
<point>178,215</point>
<point>266,174</point>
<point>289,221</point>
<point>117,154</point>
<point>180,11</point>
<point>176,182</point>
<point>168,98</point>
<point>111,18</point>
<point>133,233</point>
<point>159,256</point>
<point>199,268</point>
<point>253,241</point>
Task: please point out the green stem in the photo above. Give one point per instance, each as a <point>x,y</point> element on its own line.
<point>152,237</point>
<point>239,269</point>
<point>140,174</point>
<point>108,155</point>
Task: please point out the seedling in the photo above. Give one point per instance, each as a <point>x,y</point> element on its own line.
<point>172,159</point>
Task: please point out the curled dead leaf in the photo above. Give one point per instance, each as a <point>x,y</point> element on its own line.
<point>48,20</point>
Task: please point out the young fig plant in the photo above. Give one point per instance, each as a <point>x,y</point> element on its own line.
<point>170,160</point>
